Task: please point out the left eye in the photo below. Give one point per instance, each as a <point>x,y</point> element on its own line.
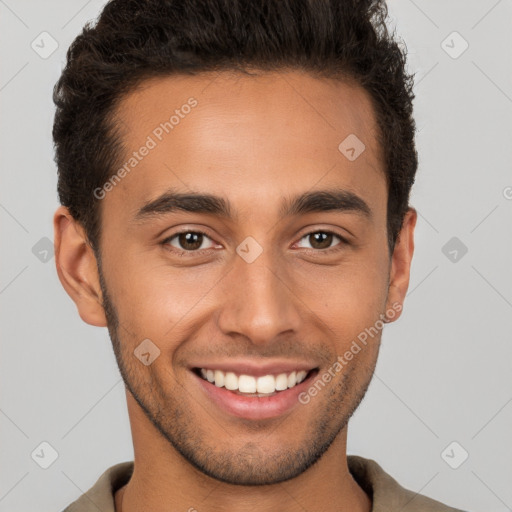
<point>188,240</point>
<point>321,239</point>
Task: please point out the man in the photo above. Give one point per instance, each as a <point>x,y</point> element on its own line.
<point>234,179</point>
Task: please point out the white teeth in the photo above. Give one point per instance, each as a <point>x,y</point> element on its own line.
<point>219,378</point>
<point>246,384</point>
<point>301,376</point>
<point>231,381</point>
<point>281,382</point>
<point>264,385</point>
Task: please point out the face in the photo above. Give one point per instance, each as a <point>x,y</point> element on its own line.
<point>281,265</point>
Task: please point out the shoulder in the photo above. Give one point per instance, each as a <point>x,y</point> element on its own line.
<point>101,495</point>
<point>386,493</point>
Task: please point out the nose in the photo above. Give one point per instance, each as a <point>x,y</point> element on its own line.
<point>259,301</point>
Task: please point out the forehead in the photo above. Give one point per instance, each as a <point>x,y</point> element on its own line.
<point>247,137</point>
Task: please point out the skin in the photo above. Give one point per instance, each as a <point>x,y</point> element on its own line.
<point>253,140</point>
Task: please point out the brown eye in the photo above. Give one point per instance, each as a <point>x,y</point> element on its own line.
<point>190,241</point>
<point>321,240</point>
<point>187,240</point>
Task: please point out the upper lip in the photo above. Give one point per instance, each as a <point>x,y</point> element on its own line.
<point>256,368</point>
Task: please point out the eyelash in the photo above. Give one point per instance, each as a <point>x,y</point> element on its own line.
<point>185,253</point>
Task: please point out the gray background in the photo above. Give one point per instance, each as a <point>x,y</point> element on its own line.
<point>444,372</point>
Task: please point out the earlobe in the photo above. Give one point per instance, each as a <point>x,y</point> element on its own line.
<point>77,267</point>
<point>401,265</point>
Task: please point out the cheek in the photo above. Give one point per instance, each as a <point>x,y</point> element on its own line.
<point>350,301</point>
<point>152,298</point>
<point>353,289</point>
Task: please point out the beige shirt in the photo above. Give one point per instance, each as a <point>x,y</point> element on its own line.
<point>386,493</point>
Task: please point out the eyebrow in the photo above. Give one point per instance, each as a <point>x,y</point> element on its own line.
<point>315,201</point>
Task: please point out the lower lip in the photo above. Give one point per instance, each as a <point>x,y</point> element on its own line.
<point>253,407</point>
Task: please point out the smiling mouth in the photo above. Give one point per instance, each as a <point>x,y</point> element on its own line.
<point>252,386</point>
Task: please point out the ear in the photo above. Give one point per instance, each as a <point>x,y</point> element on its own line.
<point>77,267</point>
<point>401,265</point>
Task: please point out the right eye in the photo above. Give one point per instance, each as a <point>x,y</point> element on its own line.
<point>187,241</point>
